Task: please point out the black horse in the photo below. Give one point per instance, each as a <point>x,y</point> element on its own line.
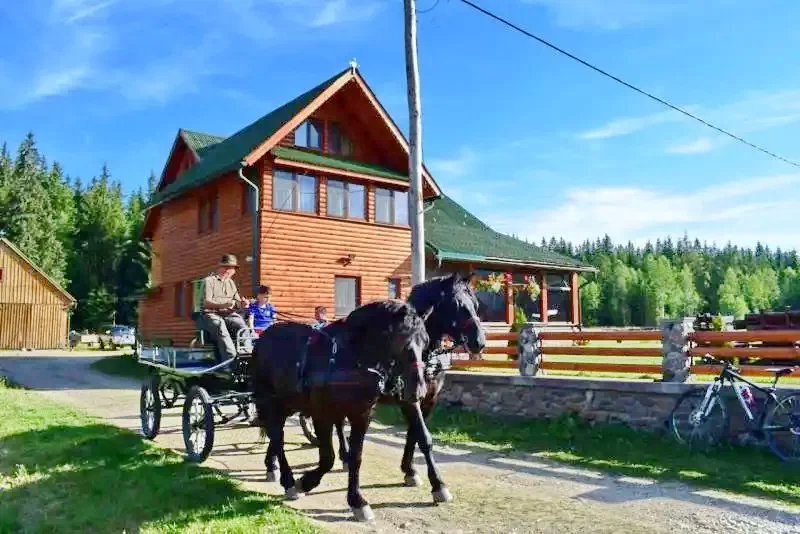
<point>335,373</point>
<point>449,308</point>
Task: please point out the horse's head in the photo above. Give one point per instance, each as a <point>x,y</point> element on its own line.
<point>450,307</point>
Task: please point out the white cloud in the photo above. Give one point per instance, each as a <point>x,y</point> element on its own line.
<point>736,210</point>
<point>628,125</point>
<point>339,11</point>
<point>698,146</point>
<point>457,166</point>
<point>610,14</point>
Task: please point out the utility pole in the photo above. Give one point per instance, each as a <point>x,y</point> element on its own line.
<point>416,216</point>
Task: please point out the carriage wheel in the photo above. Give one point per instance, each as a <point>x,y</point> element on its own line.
<point>198,424</point>
<point>169,394</point>
<point>150,408</point>
<point>307,425</point>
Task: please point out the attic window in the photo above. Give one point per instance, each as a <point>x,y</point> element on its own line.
<point>309,134</point>
<point>338,142</point>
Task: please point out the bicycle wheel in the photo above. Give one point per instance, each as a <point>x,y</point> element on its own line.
<point>691,427</point>
<point>782,428</point>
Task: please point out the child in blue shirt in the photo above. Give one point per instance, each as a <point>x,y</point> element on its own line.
<point>261,311</point>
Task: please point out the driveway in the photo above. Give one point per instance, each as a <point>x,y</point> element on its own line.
<point>493,492</point>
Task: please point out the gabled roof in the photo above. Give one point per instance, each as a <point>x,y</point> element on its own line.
<point>245,147</point>
<point>44,275</point>
<point>455,234</point>
<point>335,162</point>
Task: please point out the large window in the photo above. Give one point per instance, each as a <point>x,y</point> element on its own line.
<point>559,297</point>
<point>391,206</point>
<point>347,294</point>
<point>309,134</point>
<point>522,300</point>
<point>293,191</point>
<point>346,199</point>
<point>491,305</point>
<point>338,142</point>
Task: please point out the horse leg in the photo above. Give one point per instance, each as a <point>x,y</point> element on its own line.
<point>412,479</point>
<point>276,436</point>
<point>417,425</point>
<point>360,507</point>
<point>271,463</point>
<point>343,452</point>
<point>312,478</point>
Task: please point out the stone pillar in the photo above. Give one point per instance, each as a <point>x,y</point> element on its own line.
<point>530,351</point>
<point>675,364</point>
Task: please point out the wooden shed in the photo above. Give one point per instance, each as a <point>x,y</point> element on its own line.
<point>34,309</point>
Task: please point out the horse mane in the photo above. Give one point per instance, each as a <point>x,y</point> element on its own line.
<point>372,323</point>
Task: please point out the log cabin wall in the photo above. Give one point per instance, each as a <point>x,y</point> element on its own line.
<point>33,313</point>
<point>182,253</point>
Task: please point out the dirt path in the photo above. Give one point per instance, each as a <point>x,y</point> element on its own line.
<point>493,492</point>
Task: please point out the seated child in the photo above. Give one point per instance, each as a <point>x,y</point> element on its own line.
<point>261,311</point>
<point>321,317</point>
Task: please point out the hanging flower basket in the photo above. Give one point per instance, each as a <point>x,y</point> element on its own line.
<point>492,284</point>
<point>531,287</point>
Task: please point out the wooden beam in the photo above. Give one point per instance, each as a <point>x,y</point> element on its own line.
<point>604,351</point>
<point>338,172</point>
<point>621,335</point>
<point>746,370</point>
<point>601,367</point>
<point>543,304</point>
<point>509,301</point>
<point>508,364</point>
<point>786,336</point>
<point>576,301</point>
<point>773,353</point>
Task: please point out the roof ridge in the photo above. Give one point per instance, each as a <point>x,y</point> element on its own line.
<point>36,268</point>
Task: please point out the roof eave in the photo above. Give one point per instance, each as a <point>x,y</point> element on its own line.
<point>72,300</point>
<point>445,255</point>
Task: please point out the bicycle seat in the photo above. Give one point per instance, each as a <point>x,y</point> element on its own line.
<point>783,371</point>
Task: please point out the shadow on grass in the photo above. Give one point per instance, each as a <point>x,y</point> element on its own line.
<point>616,448</point>
<point>97,478</point>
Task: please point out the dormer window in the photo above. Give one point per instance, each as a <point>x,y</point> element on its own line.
<point>338,142</point>
<point>309,134</point>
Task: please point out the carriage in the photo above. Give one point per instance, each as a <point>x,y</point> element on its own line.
<point>214,393</point>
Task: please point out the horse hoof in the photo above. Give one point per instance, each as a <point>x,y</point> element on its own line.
<point>413,481</point>
<point>272,476</point>
<point>443,495</point>
<point>292,494</point>
<point>345,467</point>
<point>363,514</point>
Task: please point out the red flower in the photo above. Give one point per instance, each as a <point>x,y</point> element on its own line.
<point>507,277</point>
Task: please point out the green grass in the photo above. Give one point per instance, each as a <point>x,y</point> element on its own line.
<point>618,449</point>
<point>62,471</point>
<point>124,365</point>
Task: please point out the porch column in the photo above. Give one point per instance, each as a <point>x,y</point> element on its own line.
<point>509,300</point>
<point>543,305</point>
<point>576,298</point>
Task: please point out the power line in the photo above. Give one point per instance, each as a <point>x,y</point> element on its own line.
<point>626,84</point>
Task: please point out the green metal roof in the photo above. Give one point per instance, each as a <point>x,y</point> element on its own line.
<point>455,234</point>
<point>227,154</point>
<point>334,162</point>
<point>200,142</point>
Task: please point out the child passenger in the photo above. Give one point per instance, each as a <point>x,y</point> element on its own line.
<point>261,311</point>
<point>321,317</point>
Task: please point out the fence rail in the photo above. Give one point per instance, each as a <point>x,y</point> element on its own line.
<point>583,355</point>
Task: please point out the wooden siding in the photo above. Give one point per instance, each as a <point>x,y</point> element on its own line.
<point>302,253</point>
<point>181,254</point>
<point>33,314</point>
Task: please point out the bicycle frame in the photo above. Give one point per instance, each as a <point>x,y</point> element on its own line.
<point>732,377</point>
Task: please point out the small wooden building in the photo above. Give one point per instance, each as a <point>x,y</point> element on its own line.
<point>34,309</point>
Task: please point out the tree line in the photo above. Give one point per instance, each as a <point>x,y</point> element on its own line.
<point>85,236</point>
<point>639,286</point>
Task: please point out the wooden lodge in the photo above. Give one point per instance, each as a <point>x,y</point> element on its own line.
<point>34,309</point>
<point>312,198</point>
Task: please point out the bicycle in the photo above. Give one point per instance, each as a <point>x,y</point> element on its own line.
<point>700,417</point>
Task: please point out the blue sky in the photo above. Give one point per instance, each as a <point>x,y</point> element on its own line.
<point>529,141</point>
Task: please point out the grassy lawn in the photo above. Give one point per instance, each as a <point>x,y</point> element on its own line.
<point>617,449</point>
<point>62,471</point>
<point>125,365</point>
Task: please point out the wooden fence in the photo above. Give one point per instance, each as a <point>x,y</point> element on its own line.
<point>580,348</point>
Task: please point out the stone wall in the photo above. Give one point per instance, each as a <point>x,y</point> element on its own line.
<point>638,404</point>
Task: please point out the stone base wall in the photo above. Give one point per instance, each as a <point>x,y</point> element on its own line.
<point>639,404</point>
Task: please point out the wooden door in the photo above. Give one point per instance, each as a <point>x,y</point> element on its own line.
<point>15,323</point>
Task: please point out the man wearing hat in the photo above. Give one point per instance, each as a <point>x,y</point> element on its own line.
<point>220,302</point>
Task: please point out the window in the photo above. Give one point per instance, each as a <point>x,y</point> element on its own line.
<point>522,299</point>
<point>309,134</point>
<point>559,298</point>
<point>1,275</point>
<point>346,199</point>
<point>347,296</point>
<point>208,213</point>
<point>491,305</point>
<point>391,207</point>
<point>394,288</point>
<point>338,142</point>
<point>179,300</point>
<point>248,199</point>
<point>294,192</point>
